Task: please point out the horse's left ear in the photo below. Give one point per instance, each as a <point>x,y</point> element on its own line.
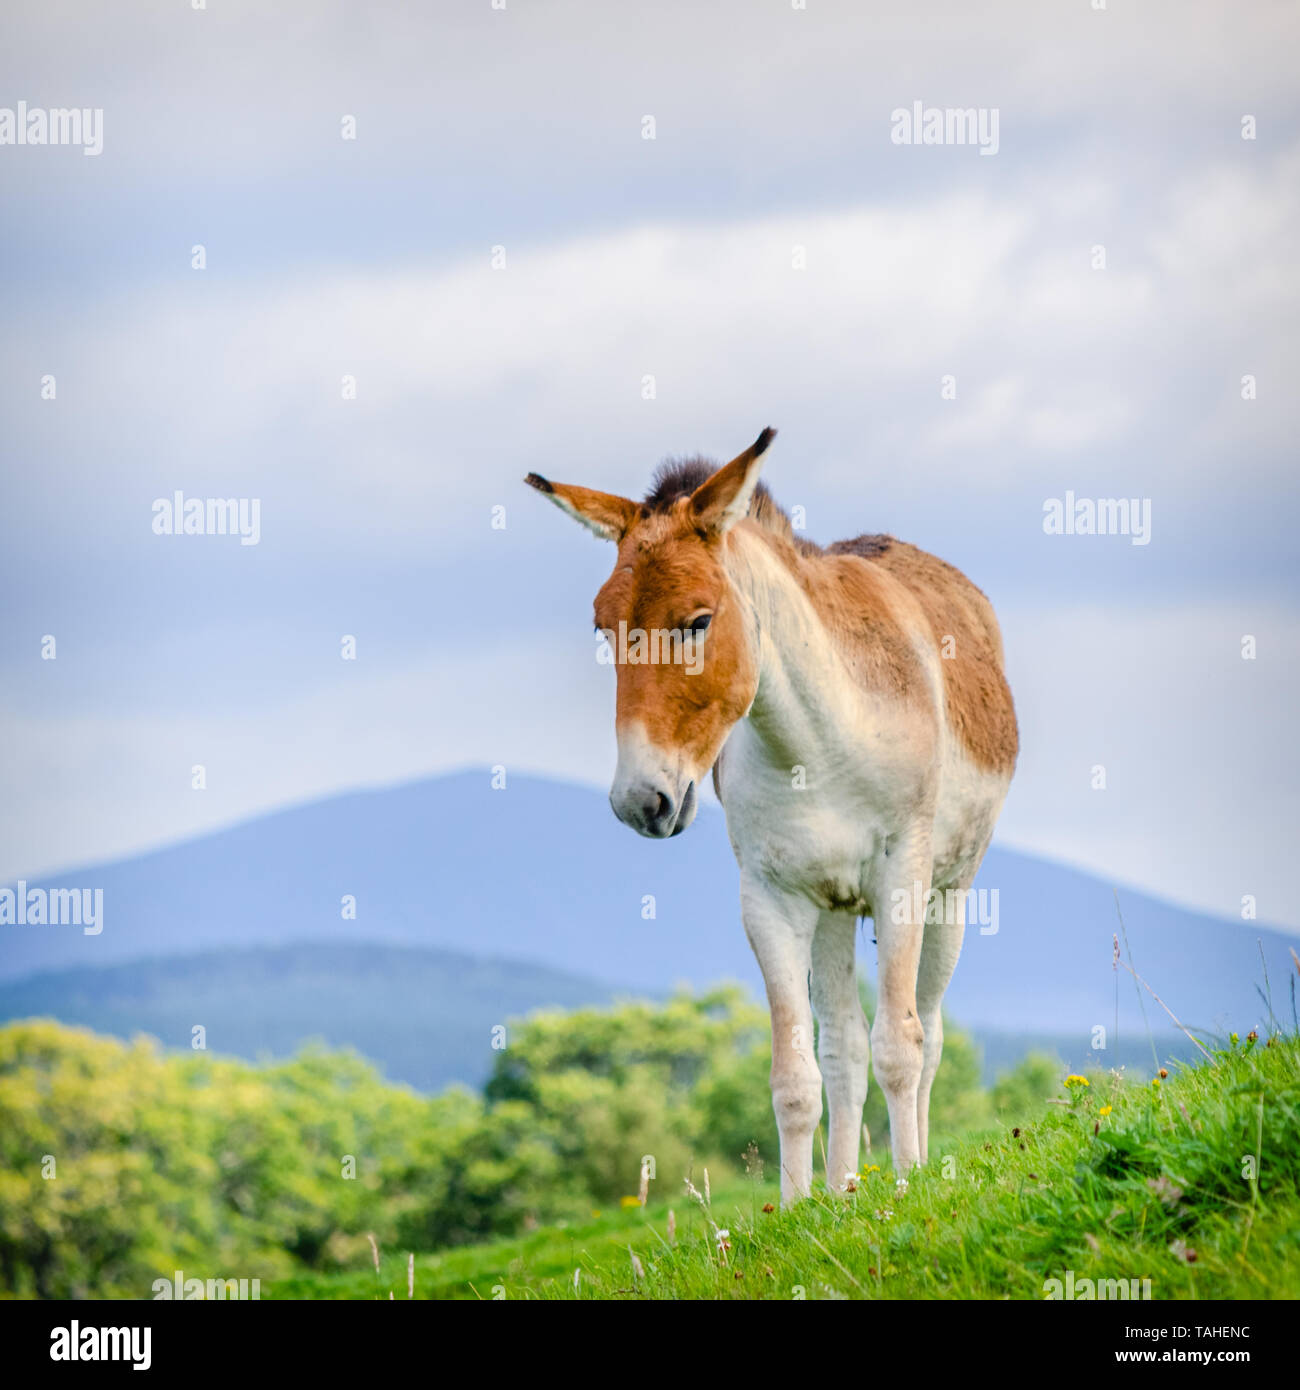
<point>721,501</point>
<point>602,513</point>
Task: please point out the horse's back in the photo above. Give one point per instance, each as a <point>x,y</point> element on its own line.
<point>964,629</point>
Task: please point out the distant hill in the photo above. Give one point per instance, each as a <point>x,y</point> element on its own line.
<point>1137,1054</point>
<point>425,1017</point>
<point>540,873</point>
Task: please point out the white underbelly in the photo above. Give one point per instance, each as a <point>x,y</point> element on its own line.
<point>821,836</point>
<point>966,811</point>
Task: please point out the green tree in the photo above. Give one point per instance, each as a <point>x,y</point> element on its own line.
<point>1020,1094</point>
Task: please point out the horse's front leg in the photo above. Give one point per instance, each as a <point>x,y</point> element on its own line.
<point>843,1046</point>
<point>780,928</point>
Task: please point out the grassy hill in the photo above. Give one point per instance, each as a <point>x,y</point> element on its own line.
<point>1190,1183</point>
<point>125,1162</point>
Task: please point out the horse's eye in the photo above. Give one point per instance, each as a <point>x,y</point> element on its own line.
<point>701,623</point>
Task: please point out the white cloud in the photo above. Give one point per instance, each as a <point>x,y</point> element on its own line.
<point>246,90</point>
<point>461,368</point>
<point>1201,802</point>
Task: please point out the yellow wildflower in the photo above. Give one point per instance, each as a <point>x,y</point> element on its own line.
<point>1074,1080</point>
<point>1105,1110</point>
<point>629,1201</point>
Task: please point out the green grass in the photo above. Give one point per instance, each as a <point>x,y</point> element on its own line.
<point>526,1267</point>
<point>1162,1187</point>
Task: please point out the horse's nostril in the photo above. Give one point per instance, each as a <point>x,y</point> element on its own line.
<point>646,809</point>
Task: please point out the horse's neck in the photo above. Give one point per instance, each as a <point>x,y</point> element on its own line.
<point>806,701</point>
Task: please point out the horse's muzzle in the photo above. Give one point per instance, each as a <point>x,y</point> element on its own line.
<point>653,811</point>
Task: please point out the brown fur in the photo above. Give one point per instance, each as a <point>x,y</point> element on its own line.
<point>666,572</point>
<point>979,704</point>
<point>845,583</point>
<point>872,592</point>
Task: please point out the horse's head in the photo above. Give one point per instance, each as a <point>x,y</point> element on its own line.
<point>677,631</point>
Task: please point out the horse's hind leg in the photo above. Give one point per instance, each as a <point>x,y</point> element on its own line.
<point>897,1035</point>
<point>843,1043</point>
<point>944,929</point>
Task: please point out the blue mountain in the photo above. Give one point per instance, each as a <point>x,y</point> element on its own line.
<point>539,873</point>
<point>425,1017</point>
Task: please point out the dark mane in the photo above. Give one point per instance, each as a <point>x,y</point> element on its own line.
<point>676,478</point>
<point>868,547</point>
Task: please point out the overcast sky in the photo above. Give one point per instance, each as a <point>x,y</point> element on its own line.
<point>625,258</point>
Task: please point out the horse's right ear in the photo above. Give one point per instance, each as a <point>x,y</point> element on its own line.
<point>724,498</point>
<point>602,513</point>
